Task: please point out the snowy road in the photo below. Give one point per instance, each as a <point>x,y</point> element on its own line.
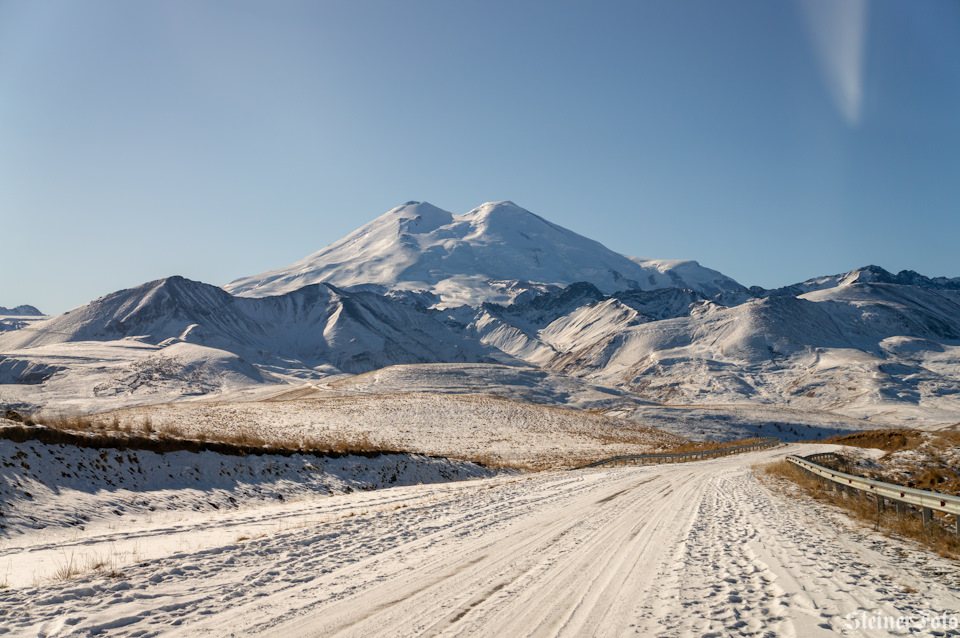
<point>692,549</point>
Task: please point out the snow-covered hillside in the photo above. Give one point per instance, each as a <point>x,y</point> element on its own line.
<point>318,326</point>
<point>495,252</point>
<point>868,275</point>
<point>176,338</point>
<point>886,351</point>
<point>19,317</point>
<point>22,310</point>
<point>491,429</point>
<point>59,487</point>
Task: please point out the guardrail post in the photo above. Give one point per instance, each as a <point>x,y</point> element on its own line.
<point>956,524</point>
<point>927,514</point>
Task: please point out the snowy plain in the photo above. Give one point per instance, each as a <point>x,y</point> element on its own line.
<point>460,426</point>
<point>681,550</point>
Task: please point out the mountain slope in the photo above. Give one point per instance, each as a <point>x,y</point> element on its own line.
<point>552,323</point>
<point>500,284</point>
<point>861,349</point>
<point>865,275</point>
<point>495,252</point>
<point>881,350</point>
<point>19,317</point>
<point>317,326</point>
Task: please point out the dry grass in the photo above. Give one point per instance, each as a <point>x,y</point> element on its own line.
<point>84,431</point>
<point>706,446</point>
<point>899,440</point>
<point>453,426</point>
<point>886,440</point>
<point>689,446</point>
<point>68,569</point>
<point>938,535</point>
<point>928,469</point>
<point>113,433</point>
<point>495,462</point>
<point>104,565</point>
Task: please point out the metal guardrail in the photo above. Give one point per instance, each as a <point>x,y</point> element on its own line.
<point>824,456</point>
<point>681,457</point>
<point>925,500</point>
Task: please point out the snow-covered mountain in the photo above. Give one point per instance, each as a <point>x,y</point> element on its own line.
<point>21,311</point>
<point>175,338</point>
<point>502,285</point>
<point>18,317</point>
<point>865,275</point>
<point>318,326</point>
<point>883,350</point>
<point>496,252</point>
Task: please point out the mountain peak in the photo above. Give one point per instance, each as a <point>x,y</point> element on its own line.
<point>503,221</point>
<point>415,217</point>
<point>505,209</point>
<point>864,275</point>
<point>489,207</point>
<point>473,258</point>
<point>868,274</point>
<point>22,310</point>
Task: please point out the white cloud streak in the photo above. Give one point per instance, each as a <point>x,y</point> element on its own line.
<point>838,35</point>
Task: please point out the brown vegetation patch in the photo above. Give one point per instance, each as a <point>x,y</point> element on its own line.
<point>920,459</point>
<point>114,433</point>
<point>85,432</point>
<point>707,446</point>
<point>938,535</point>
<point>886,440</point>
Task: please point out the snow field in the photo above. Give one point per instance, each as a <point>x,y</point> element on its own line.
<point>490,429</point>
<point>51,495</point>
<point>741,421</point>
<point>680,550</point>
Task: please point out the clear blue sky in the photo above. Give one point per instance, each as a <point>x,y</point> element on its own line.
<point>771,140</point>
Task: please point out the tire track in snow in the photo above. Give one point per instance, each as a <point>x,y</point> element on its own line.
<point>686,550</point>
<point>522,547</point>
<point>750,566</point>
<point>531,567</point>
